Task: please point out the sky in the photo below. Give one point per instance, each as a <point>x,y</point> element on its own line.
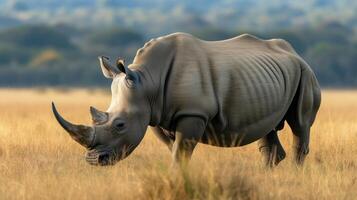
<point>164,15</point>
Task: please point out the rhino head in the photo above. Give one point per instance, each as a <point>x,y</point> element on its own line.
<point>115,133</point>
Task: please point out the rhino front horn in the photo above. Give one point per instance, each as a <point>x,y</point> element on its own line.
<point>84,135</point>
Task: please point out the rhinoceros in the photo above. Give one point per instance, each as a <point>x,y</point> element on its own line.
<point>224,93</point>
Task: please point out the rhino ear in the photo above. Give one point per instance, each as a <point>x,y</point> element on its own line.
<point>130,75</point>
<point>121,64</point>
<point>109,71</point>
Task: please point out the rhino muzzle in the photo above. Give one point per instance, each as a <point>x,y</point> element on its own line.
<point>95,157</point>
<point>84,135</point>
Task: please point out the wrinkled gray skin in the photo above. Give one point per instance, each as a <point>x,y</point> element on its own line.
<point>223,93</point>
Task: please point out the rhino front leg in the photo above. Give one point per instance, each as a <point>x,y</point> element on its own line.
<point>162,136</point>
<point>188,132</point>
<point>271,149</point>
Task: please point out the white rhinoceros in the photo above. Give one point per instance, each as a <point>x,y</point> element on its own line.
<point>223,93</point>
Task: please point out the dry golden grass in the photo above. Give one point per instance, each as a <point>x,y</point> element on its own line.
<point>40,161</point>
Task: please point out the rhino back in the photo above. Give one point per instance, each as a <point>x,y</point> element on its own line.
<point>241,86</point>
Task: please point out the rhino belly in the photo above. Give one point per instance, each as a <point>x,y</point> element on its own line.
<point>236,135</point>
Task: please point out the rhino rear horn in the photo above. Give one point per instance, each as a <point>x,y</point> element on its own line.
<point>84,135</point>
<point>98,116</point>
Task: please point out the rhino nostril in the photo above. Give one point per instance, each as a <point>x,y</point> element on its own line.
<point>104,159</point>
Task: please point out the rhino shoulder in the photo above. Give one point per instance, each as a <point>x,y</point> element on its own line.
<point>180,39</point>
<point>175,37</point>
<point>247,36</point>
<point>180,35</point>
<point>162,41</point>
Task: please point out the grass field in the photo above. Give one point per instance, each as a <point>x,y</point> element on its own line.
<point>38,160</point>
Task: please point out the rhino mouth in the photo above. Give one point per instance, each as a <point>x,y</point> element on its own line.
<point>102,158</point>
<point>107,157</point>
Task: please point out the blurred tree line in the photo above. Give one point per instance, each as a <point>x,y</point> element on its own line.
<point>43,55</point>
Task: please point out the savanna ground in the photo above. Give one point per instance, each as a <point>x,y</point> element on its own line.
<point>40,161</point>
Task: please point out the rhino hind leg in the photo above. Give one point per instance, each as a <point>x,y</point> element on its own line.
<point>271,149</point>
<point>301,141</point>
<point>302,113</point>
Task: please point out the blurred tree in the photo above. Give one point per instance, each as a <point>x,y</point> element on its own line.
<point>46,57</point>
<point>213,34</point>
<point>116,37</point>
<point>334,65</point>
<point>10,54</point>
<point>69,55</point>
<point>37,36</point>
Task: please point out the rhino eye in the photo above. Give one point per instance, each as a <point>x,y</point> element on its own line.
<point>130,81</point>
<point>119,126</point>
